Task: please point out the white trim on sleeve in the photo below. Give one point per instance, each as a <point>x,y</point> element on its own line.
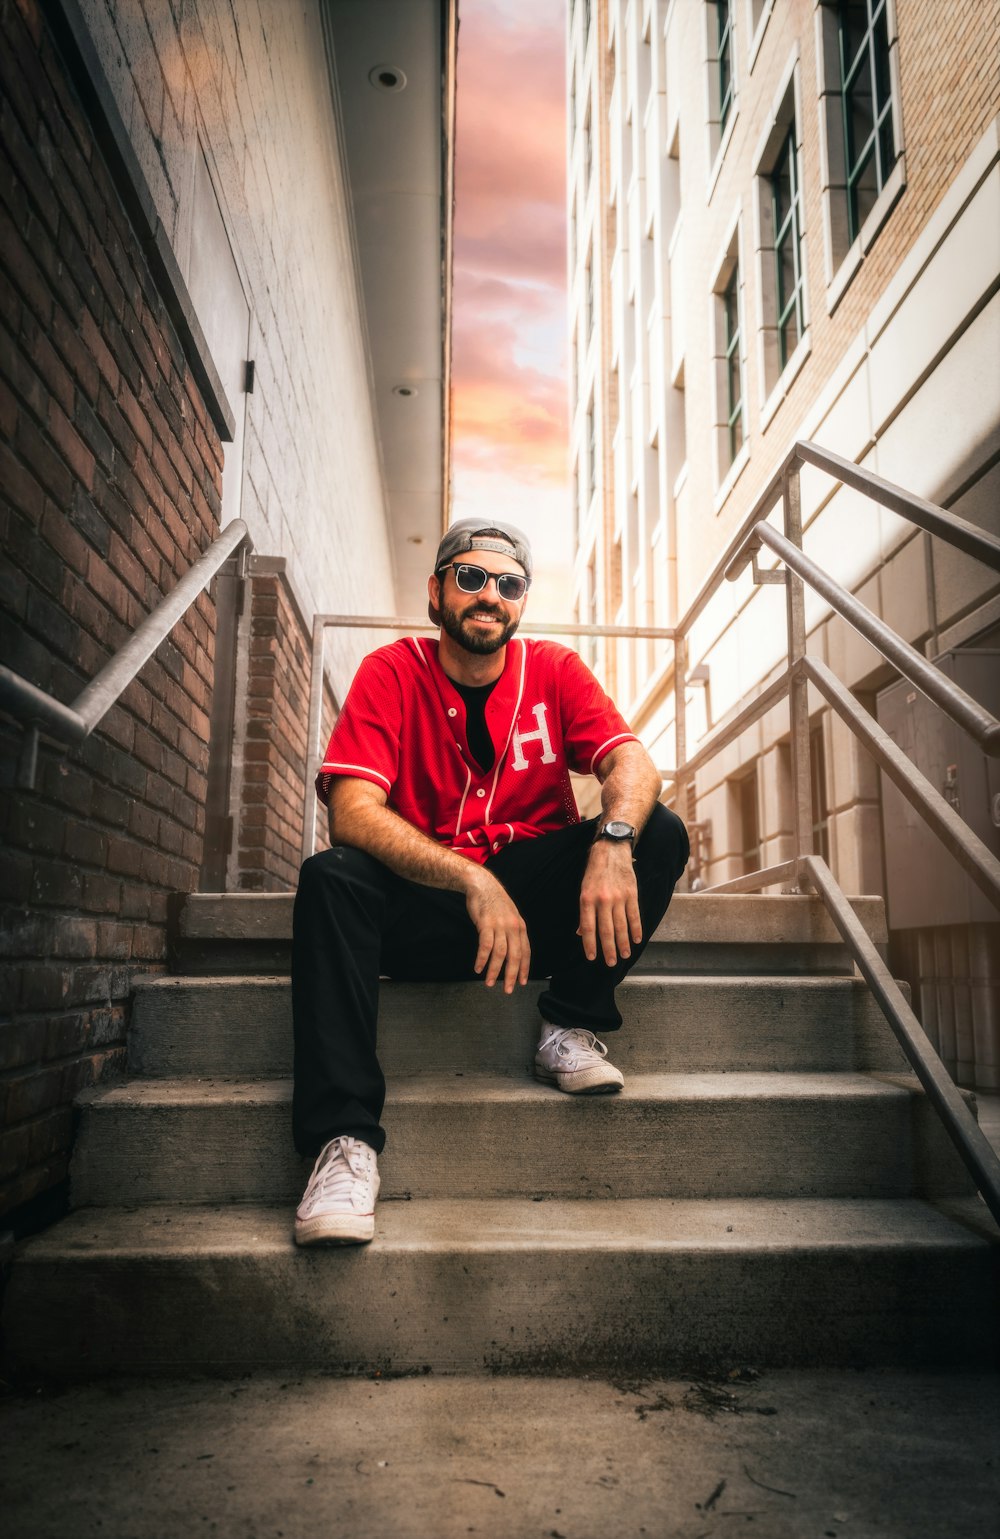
<point>619,737</point>
<point>335,768</point>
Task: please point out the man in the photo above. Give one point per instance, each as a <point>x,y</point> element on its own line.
<point>458,852</point>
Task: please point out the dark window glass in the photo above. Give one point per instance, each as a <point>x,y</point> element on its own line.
<point>734,379</point>
<point>817,776</point>
<point>787,218</point>
<point>866,90</point>
<point>724,54</point>
<point>750,827</point>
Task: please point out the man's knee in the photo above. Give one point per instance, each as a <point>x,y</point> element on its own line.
<point>664,844</point>
<point>339,867</point>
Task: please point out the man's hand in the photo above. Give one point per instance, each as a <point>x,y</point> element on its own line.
<point>503,937</point>
<point>609,903</point>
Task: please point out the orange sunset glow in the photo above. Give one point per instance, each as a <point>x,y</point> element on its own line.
<point>509,348</point>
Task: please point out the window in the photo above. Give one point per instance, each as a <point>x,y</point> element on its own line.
<point>866,91</point>
<point>861,137</point>
<point>746,793</point>
<point>720,52</point>
<point>732,339</point>
<point>729,351</point>
<point>786,212</point>
<point>724,59</point>
<point>817,781</point>
<point>781,247</point>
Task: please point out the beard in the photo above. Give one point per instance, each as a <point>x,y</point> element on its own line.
<point>469,636</point>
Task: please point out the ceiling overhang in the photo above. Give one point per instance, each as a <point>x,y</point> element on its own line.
<point>394,66</point>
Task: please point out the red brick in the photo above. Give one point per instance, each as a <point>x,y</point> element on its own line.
<point>107,586</point>
<point>136,417</point>
<point>98,350</point>
<point>64,540</point>
<point>86,844</point>
<point>124,857</point>
<point>19,485</point>
<point>123,562</point>
<point>44,461</point>
<point>114,940</point>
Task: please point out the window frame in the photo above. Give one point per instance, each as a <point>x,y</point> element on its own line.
<point>847,240</point>
<point>733,345</point>
<point>788,228</point>
<point>855,161</point>
<point>729,348</point>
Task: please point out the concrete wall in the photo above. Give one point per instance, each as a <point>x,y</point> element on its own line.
<point>114,477</point>
<point>246,86</point>
<point>897,367</point>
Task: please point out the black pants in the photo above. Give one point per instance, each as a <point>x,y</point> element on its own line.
<point>356,920</point>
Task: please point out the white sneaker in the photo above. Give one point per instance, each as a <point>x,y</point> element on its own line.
<point>339,1202</point>
<point>573,1060</point>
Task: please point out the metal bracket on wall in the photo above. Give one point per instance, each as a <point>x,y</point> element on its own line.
<point>762,576</point>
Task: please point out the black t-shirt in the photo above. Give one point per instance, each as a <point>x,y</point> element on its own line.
<point>477,732</point>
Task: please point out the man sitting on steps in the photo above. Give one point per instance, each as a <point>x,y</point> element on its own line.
<point>458,852</point>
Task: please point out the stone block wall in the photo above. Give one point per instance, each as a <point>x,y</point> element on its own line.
<point>110,483</point>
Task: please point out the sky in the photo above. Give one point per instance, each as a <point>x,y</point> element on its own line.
<point>509,344</point>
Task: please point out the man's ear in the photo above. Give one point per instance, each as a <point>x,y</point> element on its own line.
<point>434,599</point>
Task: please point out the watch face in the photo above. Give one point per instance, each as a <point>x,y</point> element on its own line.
<point>618,830</point>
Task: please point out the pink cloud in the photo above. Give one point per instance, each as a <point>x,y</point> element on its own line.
<point>510,240</point>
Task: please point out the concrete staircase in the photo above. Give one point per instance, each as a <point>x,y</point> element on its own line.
<point>770,1188</point>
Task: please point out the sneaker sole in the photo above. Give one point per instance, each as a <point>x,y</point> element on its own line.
<point>596,1081</point>
<point>335,1229</point>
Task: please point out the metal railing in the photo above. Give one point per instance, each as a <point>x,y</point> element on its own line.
<point>70,724</point>
<point>804,870</point>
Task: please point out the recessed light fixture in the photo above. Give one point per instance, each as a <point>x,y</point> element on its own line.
<point>386,77</point>
<point>404,390</point>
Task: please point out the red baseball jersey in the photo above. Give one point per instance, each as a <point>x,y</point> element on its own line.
<point>403,728</point>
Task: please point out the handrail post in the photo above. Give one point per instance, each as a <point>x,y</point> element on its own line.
<point>680,726</point>
<point>798,684</point>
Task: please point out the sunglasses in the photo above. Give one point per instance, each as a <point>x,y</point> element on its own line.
<point>473,579</point>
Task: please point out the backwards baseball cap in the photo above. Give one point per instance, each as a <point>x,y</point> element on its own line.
<point>484,534</point>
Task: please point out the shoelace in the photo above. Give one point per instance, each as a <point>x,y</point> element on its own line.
<point>345,1166</point>
<point>567,1038</point>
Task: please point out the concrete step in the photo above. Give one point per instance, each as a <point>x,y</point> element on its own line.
<point>243,1026</point>
<point>741,934</point>
<point>459,1135</point>
<point>641,1286</point>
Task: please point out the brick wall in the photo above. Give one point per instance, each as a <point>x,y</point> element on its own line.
<point>269,832</point>
<point>110,477</point>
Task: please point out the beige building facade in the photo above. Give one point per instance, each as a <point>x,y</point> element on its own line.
<point>785,224</point>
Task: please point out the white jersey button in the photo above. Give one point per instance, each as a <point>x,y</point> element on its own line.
<point>480,792</point>
<point>452,711</point>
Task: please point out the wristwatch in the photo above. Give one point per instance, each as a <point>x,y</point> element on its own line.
<point>618,833</point>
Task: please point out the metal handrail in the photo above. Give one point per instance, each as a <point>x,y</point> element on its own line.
<point>529,628</point>
<point>71,724</point>
<point>962,1127</point>
<point>944,692</point>
<point>805,868</point>
<point>967,848</point>
<point>926,515</point>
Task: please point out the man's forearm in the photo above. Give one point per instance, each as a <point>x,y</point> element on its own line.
<point>630,786</point>
<point>397,844</point>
